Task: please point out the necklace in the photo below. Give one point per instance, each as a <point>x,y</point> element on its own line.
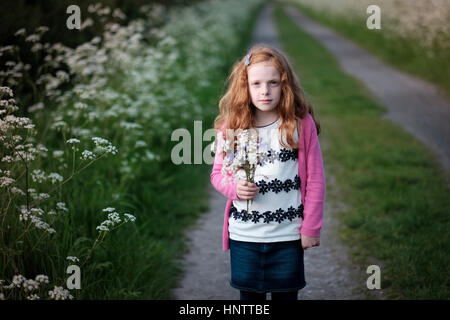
<point>266,124</point>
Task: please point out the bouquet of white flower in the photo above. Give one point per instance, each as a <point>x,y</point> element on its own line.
<point>241,151</point>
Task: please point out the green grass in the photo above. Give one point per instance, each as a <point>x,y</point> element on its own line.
<point>398,204</point>
<point>405,54</point>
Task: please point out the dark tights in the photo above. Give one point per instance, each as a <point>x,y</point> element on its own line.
<point>247,295</point>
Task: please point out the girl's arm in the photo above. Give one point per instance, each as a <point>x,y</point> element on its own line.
<point>228,190</point>
<point>315,186</point>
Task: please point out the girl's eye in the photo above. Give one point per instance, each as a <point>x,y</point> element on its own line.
<point>272,82</point>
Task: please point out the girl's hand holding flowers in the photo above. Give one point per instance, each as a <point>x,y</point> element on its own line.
<point>246,190</point>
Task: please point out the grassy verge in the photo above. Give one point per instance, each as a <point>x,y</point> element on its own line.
<point>405,54</point>
<point>393,186</point>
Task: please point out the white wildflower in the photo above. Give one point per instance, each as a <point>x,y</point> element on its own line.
<point>103,145</point>
<point>5,182</point>
<point>37,47</point>
<point>59,124</point>
<point>38,223</point>
<point>54,177</point>
<point>140,143</point>
<point>151,156</point>
<point>33,38</point>
<point>20,32</point>
<point>129,217</point>
<point>42,149</point>
<point>38,176</point>
<point>80,105</point>
<point>17,191</point>
<point>37,211</point>
<point>59,293</point>
<point>72,141</point>
<point>8,159</point>
<point>30,285</point>
<point>41,278</point>
<point>6,90</point>
<point>58,153</point>
<point>87,155</point>
<point>43,196</point>
<point>61,206</point>
<point>102,228</point>
<point>18,280</point>
<point>114,217</point>
<point>42,29</point>
<point>130,125</point>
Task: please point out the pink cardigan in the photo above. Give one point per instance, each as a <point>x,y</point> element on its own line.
<point>312,186</point>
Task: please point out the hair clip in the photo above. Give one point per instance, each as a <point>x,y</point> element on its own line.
<point>247,61</point>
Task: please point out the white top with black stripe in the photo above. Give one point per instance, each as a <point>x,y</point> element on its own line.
<point>276,212</point>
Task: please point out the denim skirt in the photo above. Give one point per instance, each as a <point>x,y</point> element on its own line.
<point>267,267</point>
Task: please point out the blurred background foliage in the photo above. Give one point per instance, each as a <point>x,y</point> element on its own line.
<point>30,14</point>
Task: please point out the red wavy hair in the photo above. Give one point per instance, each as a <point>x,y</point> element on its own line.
<point>236,108</point>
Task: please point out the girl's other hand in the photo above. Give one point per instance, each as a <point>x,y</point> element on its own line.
<point>308,242</point>
<point>246,190</point>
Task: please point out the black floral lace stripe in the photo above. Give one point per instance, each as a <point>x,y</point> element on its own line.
<point>283,155</point>
<point>266,217</point>
<point>277,185</point>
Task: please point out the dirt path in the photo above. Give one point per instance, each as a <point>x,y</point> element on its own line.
<point>414,104</point>
<point>328,271</point>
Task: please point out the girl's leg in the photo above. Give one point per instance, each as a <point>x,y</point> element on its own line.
<point>247,295</point>
<point>289,295</point>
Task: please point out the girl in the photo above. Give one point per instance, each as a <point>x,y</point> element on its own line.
<point>286,212</point>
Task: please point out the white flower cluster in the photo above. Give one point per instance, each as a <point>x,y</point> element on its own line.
<point>15,148</point>
<point>59,293</point>
<point>241,153</point>
<point>7,91</point>
<point>61,206</point>
<point>34,213</point>
<point>29,286</point>
<point>6,181</point>
<point>39,176</point>
<point>87,155</point>
<point>54,177</point>
<point>38,223</point>
<point>114,219</point>
<point>72,141</point>
<point>16,190</point>
<point>103,145</point>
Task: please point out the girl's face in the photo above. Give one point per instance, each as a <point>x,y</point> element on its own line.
<point>265,88</point>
